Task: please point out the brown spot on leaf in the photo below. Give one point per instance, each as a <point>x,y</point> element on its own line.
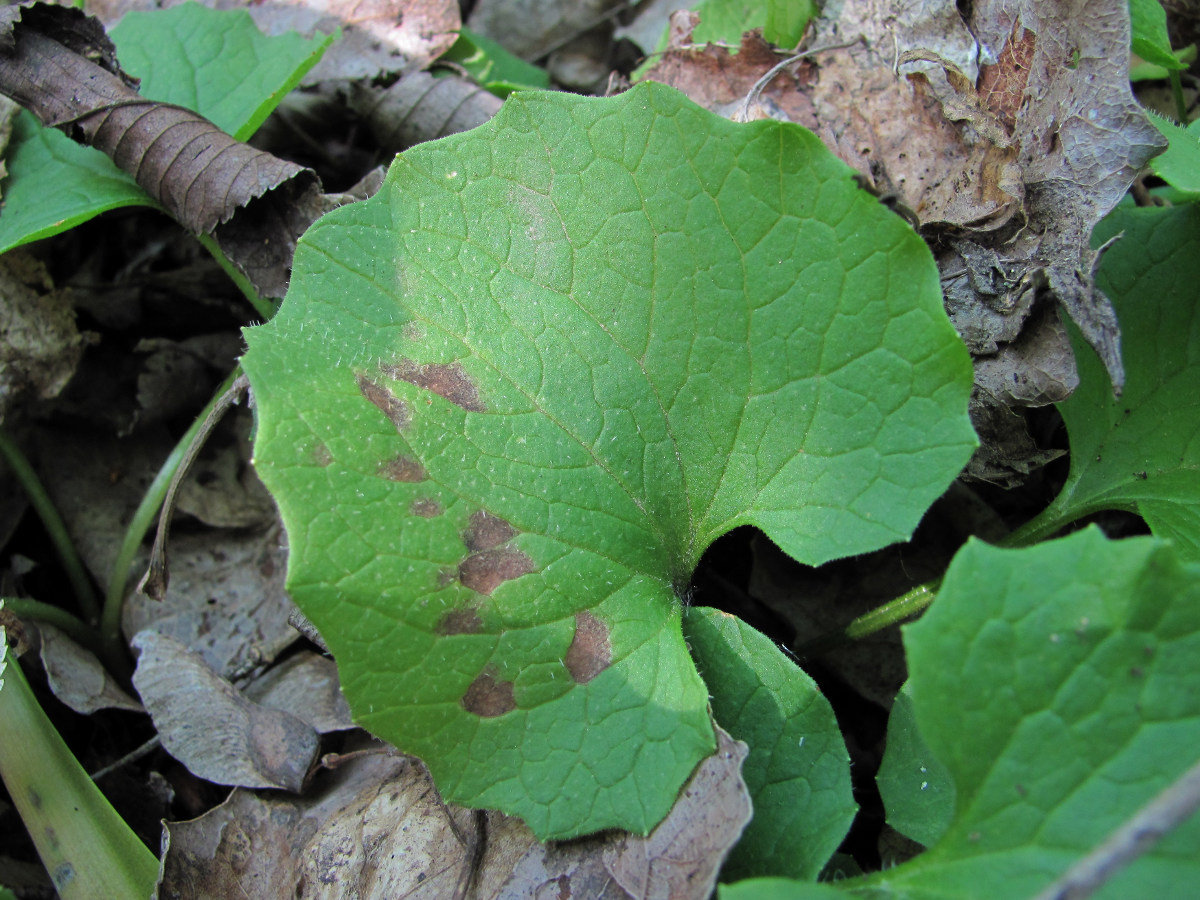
<point>394,408</point>
<point>1002,86</point>
<point>425,507</point>
<point>321,455</point>
<point>447,380</point>
<point>403,468</point>
<point>489,697</point>
<point>485,532</point>
<point>487,570</point>
<point>459,621</point>
<point>590,652</point>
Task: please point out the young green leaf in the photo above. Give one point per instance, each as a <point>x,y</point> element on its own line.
<point>214,62</point>
<point>798,771</point>
<point>1058,685</point>
<point>917,791</point>
<point>1179,164</point>
<point>511,399</point>
<point>493,67</point>
<point>1140,452</point>
<point>724,21</point>
<point>1148,27</point>
<point>787,21</point>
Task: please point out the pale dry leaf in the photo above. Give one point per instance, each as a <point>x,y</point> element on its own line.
<point>305,685</point>
<point>375,828</point>
<point>680,858</point>
<point>226,600</point>
<point>205,723</point>
<point>372,829</point>
<point>532,28</point>
<point>76,677</point>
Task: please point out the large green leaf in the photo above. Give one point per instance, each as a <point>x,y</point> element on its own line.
<point>1058,685</point>
<point>511,399</point>
<point>797,771</point>
<point>1141,451</point>
<point>214,62</point>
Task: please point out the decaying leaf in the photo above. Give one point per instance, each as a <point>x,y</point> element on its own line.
<point>226,600</point>
<point>206,723</point>
<point>1008,135</point>
<point>376,828</point>
<point>76,677</point>
<point>305,685</point>
<point>420,108</point>
<point>39,343</point>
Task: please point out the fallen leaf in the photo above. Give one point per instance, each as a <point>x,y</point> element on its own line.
<point>40,347</point>
<point>226,600</point>
<point>1008,135</point>
<point>205,723</point>
<point>76,677</point>
<point>375,829</point>
<point>305,685</point>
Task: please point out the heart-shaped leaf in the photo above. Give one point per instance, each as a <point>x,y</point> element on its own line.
<point>511,399</point>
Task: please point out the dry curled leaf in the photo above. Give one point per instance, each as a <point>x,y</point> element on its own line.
<point>60,65</point>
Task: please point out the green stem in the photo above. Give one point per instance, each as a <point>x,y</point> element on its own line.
<point>86,847</point>
<point>89,604</point>
<point>1181,109</point>
<point>264,308</point>
<point>891,613</point>
<point>144,516</point>
<point>38,611</point>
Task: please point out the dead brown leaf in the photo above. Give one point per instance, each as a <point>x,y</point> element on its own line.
<point>205,723</point>
<point>375,828</point>
<point>40,347</point>
<point>226,600</point>
<point>77,677</point>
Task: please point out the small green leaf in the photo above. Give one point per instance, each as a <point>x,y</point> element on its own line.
<point>493,67</point>
<point>1058,685</point>
<point>1141,451</point>
<point>917,791</point>
<point>1140,70</point>
<point>798,771</point>
<point>724,21</point>
<point>214,62</point>
<point>510,400</point>
<point>1148,27</point>
<point>1179,165</point>
<point>787,21</point>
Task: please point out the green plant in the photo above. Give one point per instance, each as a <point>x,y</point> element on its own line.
<point>85,845</point>
<point>511,400</point>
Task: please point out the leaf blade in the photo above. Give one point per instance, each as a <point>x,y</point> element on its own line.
<point>551,324</point>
